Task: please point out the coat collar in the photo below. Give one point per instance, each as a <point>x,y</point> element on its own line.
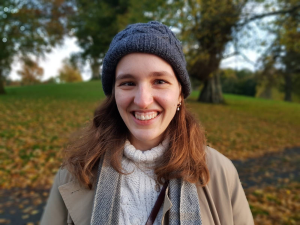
<point>79,202</point>
<point>167,205</point>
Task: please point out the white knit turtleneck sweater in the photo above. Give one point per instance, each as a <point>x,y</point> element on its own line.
<point>138,194</point>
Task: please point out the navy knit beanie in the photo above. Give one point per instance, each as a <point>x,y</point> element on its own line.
<point>153,38</point>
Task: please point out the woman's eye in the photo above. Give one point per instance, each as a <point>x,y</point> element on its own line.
<point>127,84</point>
<point>160,82</point>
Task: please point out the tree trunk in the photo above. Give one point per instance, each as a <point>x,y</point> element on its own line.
<point>95,66</point>
<point>212,90</point>
<point>267,91</point>
<point>288,87</point>
<point>2,90</point>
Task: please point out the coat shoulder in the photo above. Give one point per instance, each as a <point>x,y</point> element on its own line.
<point>218,165</point>
<point>225,190</point>
<point>64,176</point>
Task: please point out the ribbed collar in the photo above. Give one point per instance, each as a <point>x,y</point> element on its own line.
<point>147,156</point>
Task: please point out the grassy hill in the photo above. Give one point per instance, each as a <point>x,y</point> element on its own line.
<point>85,91</point>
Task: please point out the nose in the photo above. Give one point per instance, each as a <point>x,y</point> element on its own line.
<point>143,97</point>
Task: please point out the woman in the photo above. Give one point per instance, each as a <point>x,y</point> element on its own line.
<point>144,145</point>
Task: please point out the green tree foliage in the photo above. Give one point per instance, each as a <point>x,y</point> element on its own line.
<point>142,11</point>
<point>51,80</point>
<point>206,28</point>
<point>289,41</point>
<point>282,60</point>
<point>94,24</point>
<point>69,73</point>
<point>31,72</point>
<point>240,82</point>
<point>268,77</point>
<point>29,27</point>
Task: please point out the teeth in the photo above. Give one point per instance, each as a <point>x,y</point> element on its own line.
<point>145,116</point>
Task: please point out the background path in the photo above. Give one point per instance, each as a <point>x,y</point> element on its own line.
<point>25,206</point>
<point>273,169</point>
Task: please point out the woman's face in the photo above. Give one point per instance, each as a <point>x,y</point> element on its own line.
<point>147,93</point>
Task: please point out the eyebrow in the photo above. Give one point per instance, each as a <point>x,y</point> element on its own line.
<point>153,74</point>
<point>124,76</point>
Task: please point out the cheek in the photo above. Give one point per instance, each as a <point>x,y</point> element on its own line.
<point>170,103</point>
<point>119,101</point>
<point>122,101</point>
<point>172,98</point>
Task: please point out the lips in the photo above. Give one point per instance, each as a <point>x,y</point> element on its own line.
<point>144,116</point>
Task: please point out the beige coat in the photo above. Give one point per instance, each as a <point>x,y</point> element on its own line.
<point>222,200</point>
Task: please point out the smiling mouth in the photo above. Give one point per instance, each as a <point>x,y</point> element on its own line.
<point>145,116</point>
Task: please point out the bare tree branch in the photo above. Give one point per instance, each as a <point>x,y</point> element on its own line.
<point>247,59</point>
<point>260,16</point>
<point>230,55</point>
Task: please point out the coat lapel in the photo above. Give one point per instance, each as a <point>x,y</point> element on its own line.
<point>166,206</point>
<point>79,202</point>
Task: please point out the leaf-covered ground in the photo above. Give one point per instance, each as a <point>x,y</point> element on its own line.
<point>272,185</point>
<point>36,122</point>
<point>249,127</point>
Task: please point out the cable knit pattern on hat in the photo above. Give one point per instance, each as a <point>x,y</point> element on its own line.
<point>138,194</point>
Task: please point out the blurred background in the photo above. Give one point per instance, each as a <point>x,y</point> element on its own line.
<point>243,57</point>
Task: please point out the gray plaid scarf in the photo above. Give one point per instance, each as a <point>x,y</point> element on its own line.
<point>185,208</point>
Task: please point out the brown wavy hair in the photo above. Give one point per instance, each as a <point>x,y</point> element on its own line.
<point>107,132</point>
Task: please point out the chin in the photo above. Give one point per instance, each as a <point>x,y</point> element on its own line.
<point>146,137</point>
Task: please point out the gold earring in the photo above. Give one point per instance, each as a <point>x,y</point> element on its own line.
<point>178,106</point>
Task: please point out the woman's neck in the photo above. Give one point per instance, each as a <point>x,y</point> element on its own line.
<point>145,145</point>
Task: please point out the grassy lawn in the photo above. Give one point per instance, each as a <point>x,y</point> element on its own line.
<point>275,205</point>
<point>249,127</point>
<point>36,122</point>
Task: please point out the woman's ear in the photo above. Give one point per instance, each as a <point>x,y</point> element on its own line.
<point>179,99</point>
<point>180,93</point>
